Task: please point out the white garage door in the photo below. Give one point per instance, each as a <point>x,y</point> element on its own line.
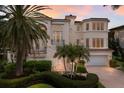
<point>97,60</point>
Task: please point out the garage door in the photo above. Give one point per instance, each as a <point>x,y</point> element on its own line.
<point>97,60</point>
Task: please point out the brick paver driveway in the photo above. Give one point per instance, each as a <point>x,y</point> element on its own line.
<point>109,77</point>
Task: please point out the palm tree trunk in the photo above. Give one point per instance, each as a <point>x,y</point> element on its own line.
<point>75,67</point>
<point>64,64</point>
<point>72,70</point>
<point>19,62</point>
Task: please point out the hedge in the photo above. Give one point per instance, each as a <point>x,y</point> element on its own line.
<point>54,79</point>
<point>43,65</point>
<point>81,68</point>
<point>113,63</point>
<point>2,64</point>
<point>29,67</point>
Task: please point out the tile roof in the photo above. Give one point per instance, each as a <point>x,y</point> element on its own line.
<point>96,19</point>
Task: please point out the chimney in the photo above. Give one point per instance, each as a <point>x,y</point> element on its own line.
<point>70,17</point>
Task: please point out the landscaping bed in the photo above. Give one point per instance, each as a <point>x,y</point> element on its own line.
<point>30,67</point>
<point>51,78</point>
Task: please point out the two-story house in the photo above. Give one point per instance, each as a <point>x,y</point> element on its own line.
<point>92,33</point>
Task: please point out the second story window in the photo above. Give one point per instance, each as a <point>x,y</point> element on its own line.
<point>93,26</point>
<point>58,40</point>
<point>102,26</point>
<point>98,26</point>
<point>57,36</point>
<point>87,26</point>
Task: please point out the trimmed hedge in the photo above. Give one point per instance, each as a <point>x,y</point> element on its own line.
<point>32,66</point>
<point>113,63</point>
<point>29,67</point>
<point>2,64</point>
<point>54,79</point>
<point>10,68</point>
<point>81,69</point>
<point>75,77</point>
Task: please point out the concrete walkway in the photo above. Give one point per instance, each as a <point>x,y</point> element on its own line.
<point>109,77</point>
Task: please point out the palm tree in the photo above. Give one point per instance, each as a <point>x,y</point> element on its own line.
<point>77,52</point>
<point>82,53</point>
<point>70,51</point>
<point>21,30</point>
<point>61,52</point>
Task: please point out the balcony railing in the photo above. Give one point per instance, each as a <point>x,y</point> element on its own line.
<point>38,53</point>
<point>58,43</point>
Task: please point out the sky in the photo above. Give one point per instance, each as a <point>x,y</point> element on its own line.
<point>116,17</point>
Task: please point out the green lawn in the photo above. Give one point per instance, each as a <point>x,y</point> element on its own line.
<point>40,86</point>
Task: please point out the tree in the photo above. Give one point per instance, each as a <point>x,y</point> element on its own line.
<point>114,43</point>
<point>21,29</point>
<point>82,54</point>
<point>114,7</point>
<point>72,56</point>
<point>61,52</point>
<point>72,53</point>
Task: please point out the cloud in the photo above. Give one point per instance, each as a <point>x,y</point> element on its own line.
<point>120,11</point>
<point>62,10</point>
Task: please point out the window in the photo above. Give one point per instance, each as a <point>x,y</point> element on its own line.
<point>94,26</point>
<point>63,42</point>
<point>87,26</point>
<point>87,42</point>
<point>52,42</point>
<point>57,36</point>
<point>93,42</point>
<point>102,26</point>
<point>58,40</point>
<point>98,26</point>
<point>98,42</point>
<point>102,42</point>
<point>78,41</point>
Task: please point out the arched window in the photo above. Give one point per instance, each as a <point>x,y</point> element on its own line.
<point>43,27</point>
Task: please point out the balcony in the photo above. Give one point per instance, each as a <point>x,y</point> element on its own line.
<point>38,53</point>
<point>58,42</point>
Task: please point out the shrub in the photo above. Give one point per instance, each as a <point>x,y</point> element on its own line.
<point>40,66</point>
<point>82,62</point>
<point>30,67</point>
<point>10,68</point>
<point>54,79</point>
<point>2,64</point>
<point>75,77</point>
<point>41,86</point>
<point>113,63</point>
<point>81,69</point>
